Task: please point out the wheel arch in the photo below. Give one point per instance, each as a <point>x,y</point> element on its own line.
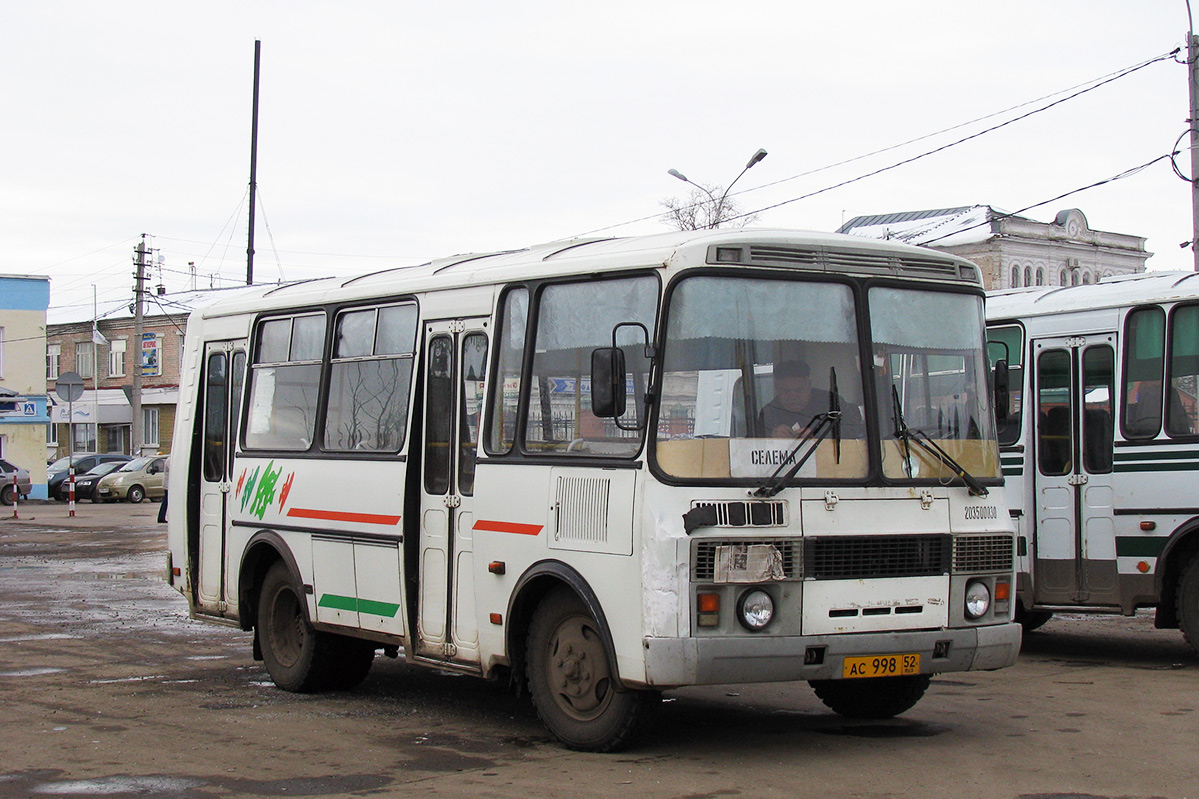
<point>534,584</point>
<point>1180,548</point>
<point>263,550</point>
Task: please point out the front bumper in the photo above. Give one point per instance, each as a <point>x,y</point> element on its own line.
<point>750,659</point>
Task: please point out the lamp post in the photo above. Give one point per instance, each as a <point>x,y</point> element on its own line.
<point>718,205</point>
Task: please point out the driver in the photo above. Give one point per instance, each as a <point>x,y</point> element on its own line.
<point>796,403</point>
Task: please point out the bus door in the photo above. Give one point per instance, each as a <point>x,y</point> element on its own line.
<point>224,373</point>
<point>1075,559</point>
<point>455,362</point>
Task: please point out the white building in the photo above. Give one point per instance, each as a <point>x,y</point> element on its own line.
<point>1013,251</point>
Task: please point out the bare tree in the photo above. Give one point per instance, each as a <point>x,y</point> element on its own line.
<point>704,209</point>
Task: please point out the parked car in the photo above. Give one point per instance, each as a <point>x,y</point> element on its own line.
<point>57,472</point>
<point>24,483</point>
<point>134,481</point>
<point>85,484</point>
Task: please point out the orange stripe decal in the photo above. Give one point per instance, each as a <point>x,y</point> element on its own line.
<point>343,516</point>
<point>508,527</point>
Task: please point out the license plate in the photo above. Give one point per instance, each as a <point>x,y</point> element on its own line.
<point>881,666</point>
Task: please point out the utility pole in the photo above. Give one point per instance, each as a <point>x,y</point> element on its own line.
<point>135,395</point>
<point>1193,82</point>
<point>253,168</point>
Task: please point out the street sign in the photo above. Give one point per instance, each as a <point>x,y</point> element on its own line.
<point>69,386</point>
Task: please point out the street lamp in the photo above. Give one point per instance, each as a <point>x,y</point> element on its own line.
<point>718,205</point>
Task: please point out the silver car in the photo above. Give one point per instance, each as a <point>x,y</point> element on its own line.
<point>23,485</point>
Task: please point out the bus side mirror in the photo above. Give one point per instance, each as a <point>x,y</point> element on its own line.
<point>1002,381</point>
<point>608,392</point>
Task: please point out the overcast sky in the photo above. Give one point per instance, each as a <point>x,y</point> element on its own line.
<point>395,132</point>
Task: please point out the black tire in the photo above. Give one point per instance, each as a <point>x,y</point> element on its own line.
<point>62,493</point>
<point>298,658</point>
<point>6,495</point>
<point>1187,602</point>
<point>136,494</point>
<point>352,661</point>
<point>1032,619</point>
<point>872,698</point>
<point>571,682</point>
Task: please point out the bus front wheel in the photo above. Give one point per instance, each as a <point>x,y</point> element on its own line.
<point>571,682</point>
<point>298,658</point>
<point>872,698</point>
<point>1188,602</point>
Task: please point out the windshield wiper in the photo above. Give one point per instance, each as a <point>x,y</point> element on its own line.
<point>814,432</point>
<point>914,435</point>
<point>825,423</point>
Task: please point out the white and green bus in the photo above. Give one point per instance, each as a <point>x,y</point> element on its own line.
<point>553,466</point>
<point>1101,445</point>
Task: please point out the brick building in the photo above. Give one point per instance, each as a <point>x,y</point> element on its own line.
<point>101,345</point>
<point>1013,251</point>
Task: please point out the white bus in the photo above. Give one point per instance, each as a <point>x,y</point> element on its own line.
<point>1101,445</point>
<point>494,465</point>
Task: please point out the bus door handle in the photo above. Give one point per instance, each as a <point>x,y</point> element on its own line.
<point>452,500</point>
<point>1078,479</point>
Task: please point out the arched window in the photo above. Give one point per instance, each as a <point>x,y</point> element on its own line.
<point>1073,278</point>
<point>1065,281</point>
<point>1015,277</point>
<point>1040,277</point>
<point>1028,275</point>
<point>1086,278</point>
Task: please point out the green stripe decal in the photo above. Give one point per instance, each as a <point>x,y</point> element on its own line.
<point>387,610</point>
<point>1156,456</point>
<point>1139,546</point>
<point>1156,467</point>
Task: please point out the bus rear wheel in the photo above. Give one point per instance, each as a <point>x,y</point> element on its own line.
<point>571,682</point>
<point>872,698</point>
<point>298,658</point>
<point>1188,602</point>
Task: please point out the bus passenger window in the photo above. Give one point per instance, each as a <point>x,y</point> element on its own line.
<point>1099,383</point>
<point>474,370</point>
<point>573,320</point>
<point>284,382</point>
<point>505,389</point>
<point>1143,365</point>
<point>1182,408</point>
<point>1055,444</point>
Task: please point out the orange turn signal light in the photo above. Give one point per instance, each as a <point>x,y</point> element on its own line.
<point>1003,591</point>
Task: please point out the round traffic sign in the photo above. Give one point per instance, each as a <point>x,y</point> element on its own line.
<point>69,386</point>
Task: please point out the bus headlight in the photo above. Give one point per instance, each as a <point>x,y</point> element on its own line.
<point>755,609</point>
<point>978,599</point>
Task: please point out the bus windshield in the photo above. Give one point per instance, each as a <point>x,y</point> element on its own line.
<point>761,375</point>
<point>751,368</point>
<point>931,381</point>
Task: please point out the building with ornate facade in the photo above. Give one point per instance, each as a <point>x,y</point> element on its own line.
<point>1013,251</point>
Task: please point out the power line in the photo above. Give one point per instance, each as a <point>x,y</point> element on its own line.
<point>964,139</point>
<point>1090,85</point>
<point>1005,215</point>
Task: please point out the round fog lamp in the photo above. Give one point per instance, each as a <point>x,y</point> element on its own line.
<point>755,609</point>
<point>978,600</point>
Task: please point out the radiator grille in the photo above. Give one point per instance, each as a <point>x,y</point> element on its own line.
<point>865,557</point>
<point>704,563</point>
<point>982,553</point>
